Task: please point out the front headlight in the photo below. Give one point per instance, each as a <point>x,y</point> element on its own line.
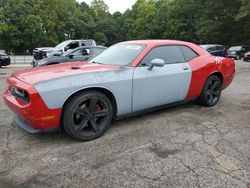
<point>19,93</point>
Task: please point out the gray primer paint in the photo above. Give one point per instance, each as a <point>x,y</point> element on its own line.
<point>119,82</point>
<point>134,89</point>
<point>161,85</point>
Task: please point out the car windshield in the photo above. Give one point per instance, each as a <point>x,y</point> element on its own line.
<point>119,54</point>
<point>63,44</point>
<point>235,48</point>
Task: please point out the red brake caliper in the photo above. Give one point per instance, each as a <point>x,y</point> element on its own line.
<point>98,108</point>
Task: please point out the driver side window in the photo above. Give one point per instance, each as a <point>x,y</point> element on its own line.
<point>170,54</point>
<point>72,45</point>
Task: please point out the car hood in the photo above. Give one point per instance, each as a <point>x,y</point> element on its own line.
<point>35,75</point>
<point>248,53</point>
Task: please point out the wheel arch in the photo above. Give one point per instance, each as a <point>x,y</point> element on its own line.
<point>103,90</point>
<point>216,73</point>
<point>219,74</point>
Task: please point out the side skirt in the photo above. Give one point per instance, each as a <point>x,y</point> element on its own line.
<point>149,110</point>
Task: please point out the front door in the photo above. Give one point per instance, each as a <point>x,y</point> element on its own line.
<point>161,85</point>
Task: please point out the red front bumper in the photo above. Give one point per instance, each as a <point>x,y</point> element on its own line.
<point>34,114</point>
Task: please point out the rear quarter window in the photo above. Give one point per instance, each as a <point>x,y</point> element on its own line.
<point>188,53</point>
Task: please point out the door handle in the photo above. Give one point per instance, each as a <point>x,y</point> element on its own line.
<point>185,68</point>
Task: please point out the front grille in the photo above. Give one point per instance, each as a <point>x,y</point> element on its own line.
<point>20,94</point>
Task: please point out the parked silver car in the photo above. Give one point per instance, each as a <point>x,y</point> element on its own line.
<point>83,53</point>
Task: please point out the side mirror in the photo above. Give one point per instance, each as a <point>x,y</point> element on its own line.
<point>156,63</point>
<point>71,56</point>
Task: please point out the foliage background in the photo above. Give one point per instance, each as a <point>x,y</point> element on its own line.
<point>26,24</point>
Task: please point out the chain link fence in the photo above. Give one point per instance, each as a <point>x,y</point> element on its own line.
<point>21,59</point>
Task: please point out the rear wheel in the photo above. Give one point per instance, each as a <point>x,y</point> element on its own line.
<point>87,115</point>
<point>1,64</point>
<point>211,92</point>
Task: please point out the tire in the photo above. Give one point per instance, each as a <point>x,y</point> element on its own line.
<point>1,64</point>
<point>211,92</point>
<point>237,57</point>
<point>87,115</point>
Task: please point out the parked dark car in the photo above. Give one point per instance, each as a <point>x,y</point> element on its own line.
<point>215,49</point>
<point>247,56</point>
<point>4,59</point>
<point>84,53</point>
<point>238,52</point>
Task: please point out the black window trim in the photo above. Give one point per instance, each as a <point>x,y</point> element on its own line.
<point>197,55</point>
<point>162,45</point>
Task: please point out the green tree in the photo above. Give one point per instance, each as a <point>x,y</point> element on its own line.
<point>143,20</point>
<point>99,10</point>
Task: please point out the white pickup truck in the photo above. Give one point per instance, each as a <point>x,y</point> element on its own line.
<point>60,49</point>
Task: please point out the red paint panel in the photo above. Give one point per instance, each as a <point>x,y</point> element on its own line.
<point>204,66</point>
<point>34,112</point>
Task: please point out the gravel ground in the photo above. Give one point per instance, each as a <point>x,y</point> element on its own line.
<point>184,146</point>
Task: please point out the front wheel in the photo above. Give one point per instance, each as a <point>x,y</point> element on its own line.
<point>211,91</point>
<point>87,115</point>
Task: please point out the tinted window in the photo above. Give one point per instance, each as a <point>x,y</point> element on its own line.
<point>211,49</point>
<point>170,54</point>
<point>72,45</point>
<point>188,53</point>
<point>220,48</point>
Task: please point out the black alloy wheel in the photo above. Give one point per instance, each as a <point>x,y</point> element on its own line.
<point>211,92</point>
<point>87,115</point>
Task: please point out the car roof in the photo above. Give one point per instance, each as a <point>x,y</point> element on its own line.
<point>155,42</point>
<point>210,45</point>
